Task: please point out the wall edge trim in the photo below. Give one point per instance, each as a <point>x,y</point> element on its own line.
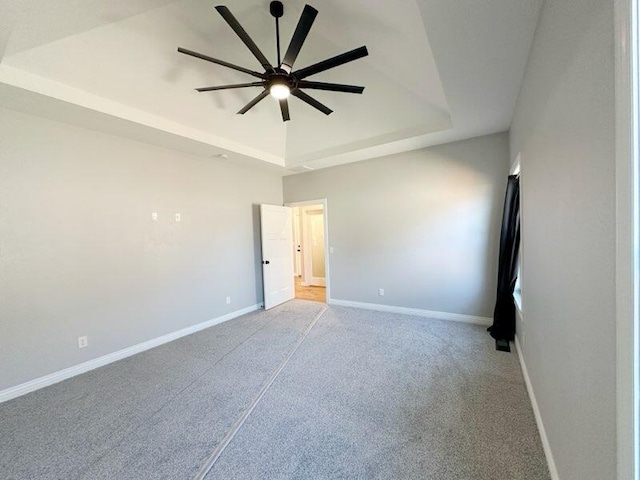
<point>56,377</point>
<point>546,446</point>
<point>417,312</point>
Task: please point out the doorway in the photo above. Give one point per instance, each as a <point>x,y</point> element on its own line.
<point>309,227</point>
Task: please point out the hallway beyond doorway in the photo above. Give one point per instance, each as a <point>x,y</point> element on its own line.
<point>316,294</point>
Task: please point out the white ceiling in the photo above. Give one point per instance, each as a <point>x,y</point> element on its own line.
<point>437,71</point>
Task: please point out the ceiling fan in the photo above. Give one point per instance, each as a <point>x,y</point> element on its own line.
<point>281,81</point>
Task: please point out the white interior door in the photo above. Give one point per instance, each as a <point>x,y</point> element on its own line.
<point>277,258</point>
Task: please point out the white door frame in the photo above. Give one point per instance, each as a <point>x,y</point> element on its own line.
<point>627,239</point>
<point>327,272</point>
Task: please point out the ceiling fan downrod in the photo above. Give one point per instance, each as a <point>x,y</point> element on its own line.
<point>277,10</point>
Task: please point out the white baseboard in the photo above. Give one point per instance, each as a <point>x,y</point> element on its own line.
<point>456,317</point>
<point>61,375</point>
<point>553,470</point>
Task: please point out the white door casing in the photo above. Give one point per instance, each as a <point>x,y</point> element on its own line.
<point>327,249</point>
<point>277,260</point>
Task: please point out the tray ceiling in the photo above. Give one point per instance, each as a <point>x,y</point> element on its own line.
<point>118,58</point>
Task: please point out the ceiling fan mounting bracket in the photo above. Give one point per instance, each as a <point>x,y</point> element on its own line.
<point>276,8</point>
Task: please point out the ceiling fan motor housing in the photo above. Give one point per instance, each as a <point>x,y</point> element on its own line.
<point>281,78</point>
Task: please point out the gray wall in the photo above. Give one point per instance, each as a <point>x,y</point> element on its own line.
<point>80,254</point>
<point>564,127</point>
<point>423,225</point>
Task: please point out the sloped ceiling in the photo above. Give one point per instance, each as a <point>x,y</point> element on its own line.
<point>437,71</point>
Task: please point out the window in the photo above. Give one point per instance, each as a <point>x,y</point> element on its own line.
<point>517,291</point>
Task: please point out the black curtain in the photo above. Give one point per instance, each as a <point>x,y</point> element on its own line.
<point>504,314</point>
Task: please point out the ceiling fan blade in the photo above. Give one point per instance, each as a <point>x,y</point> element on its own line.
<point>332,62</point>
<point>299,36</point>
<point>227,87</point>
<point>244,36</point>
<point>221,62</point>
<point>253,102</point>
<point>332,87</point>
<point>311,101</point>
<point>284,108</point>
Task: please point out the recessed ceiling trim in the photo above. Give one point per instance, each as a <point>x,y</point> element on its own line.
<point>400,146</point>
<point>34,83</point>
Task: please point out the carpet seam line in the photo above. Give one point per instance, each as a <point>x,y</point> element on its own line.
<point>235,428</point>
<point>98,460</point>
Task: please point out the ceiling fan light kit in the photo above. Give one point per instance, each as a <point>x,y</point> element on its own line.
<point>280,82</point>
<point>279,91</point>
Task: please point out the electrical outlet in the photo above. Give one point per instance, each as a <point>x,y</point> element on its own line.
<point>381,292</point>
<point>177,217</point>
<point>83,341</point>
<point>330,249</point>
<point>228,300</point>
<point>154,216</point>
